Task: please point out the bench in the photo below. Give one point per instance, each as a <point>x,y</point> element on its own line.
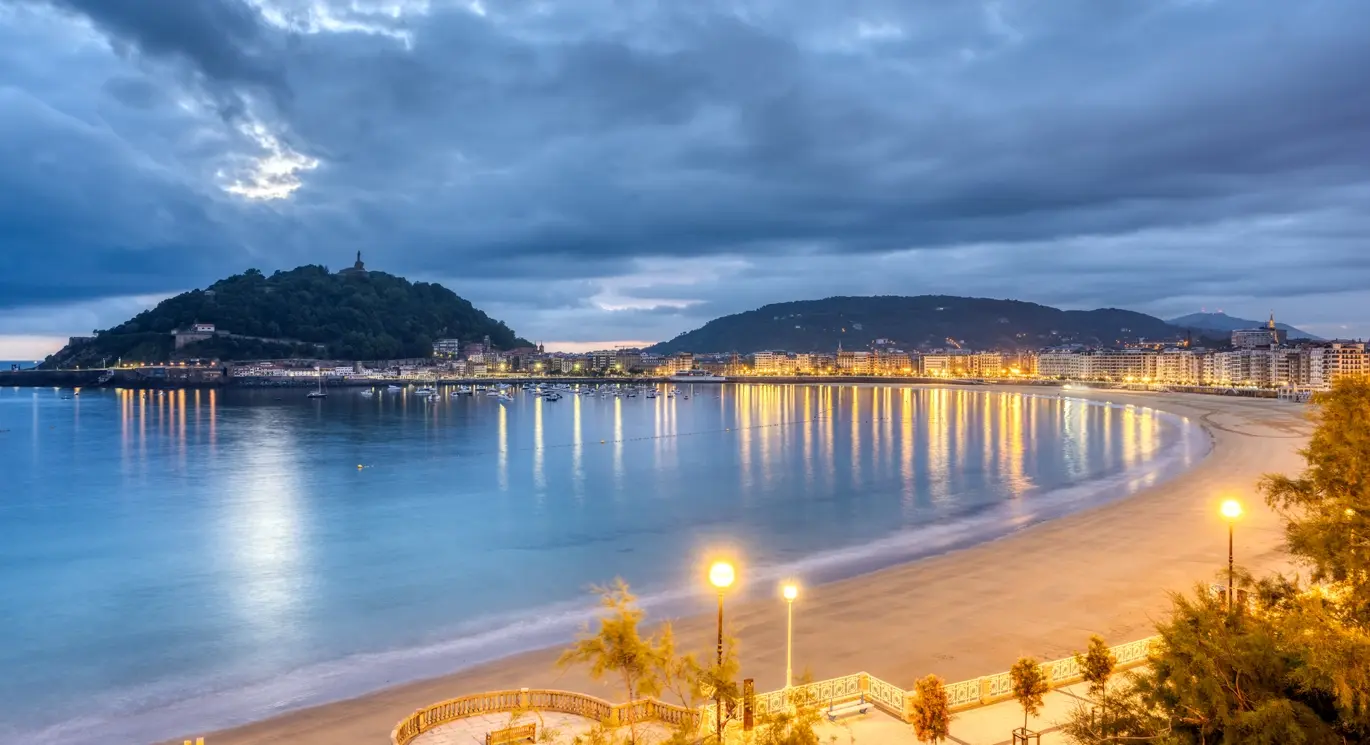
<point>527,732</point>
<point>837,711</point>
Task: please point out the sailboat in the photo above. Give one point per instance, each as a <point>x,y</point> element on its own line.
<point>319,392</point>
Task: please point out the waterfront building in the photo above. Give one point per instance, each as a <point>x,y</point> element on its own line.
<point>601,360</point>
<point>1266,336</point>
<point>628,360</point>
<point>1327,362</point>
<point>1122,364</point>
<point>474,349</point>
<point>1021,363</point>
<point>853,363</point>
<point>987,365</point>
<point>1069,365</point>
<point>764,363</point>
<point>195,332</point>
<point>934,365</point>
<point>446,347</point>
<point>1180,367</point>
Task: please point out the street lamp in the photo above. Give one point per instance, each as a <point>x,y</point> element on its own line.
<point>1231,509</point>
<point>790,591</point>
<point>721,576</point>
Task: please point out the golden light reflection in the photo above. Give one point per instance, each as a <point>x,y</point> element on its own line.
<point>181,429</point>
<point>743,428</point>
<point>887,422</point>
<point>770,407</point>
<point>829,409</point>
<point>539,478</point>
<point>809,425</point>
<point>577,452</point>
<point>1130,454</point>
<point>125,424</point>
<point>142,427</point>
<point>855,437</point>
<point>1017,454</point>
<point>906,469</point>
<point>502,462</point>
<point>618,445</point>
<point>939,443</point>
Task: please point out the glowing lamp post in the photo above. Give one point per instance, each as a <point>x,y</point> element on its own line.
<point>1231,509</point>
<point>790,591</point>
<point>721,576</point>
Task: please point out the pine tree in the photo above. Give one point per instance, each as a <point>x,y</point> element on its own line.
<point>618,648</point>
<point>1327,507</point>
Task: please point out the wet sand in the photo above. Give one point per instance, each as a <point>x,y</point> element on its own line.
<point>1041,591</point>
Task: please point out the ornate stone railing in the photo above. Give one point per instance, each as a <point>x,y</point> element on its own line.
<point>566,702</point>
<point>989,689</point>
<point>963,695</point>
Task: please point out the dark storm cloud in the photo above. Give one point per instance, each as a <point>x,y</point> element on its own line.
<point>1150,153</point>
<point>224,39</point>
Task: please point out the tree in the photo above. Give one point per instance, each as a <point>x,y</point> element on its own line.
<point>1327,507</point>
<point>1284,673</point>
<point>1096,667</point>
<point>931,710</point>
<point>790,727</point>
<point>618,648</point>
<point>1296,667</point>
<point>1029,686</point>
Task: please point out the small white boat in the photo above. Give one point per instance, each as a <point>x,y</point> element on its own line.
<point>368,393</point>
<point>392,387</point>
<point>553,396</point>
<point>319,392</point>
<point>426,391</point>
<point>505,398</point>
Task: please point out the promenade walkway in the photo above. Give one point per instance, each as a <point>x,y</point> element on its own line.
<point>988,725</point>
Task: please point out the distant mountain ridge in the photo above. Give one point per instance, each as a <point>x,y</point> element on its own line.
<point>304,312</point>
<point>1226,324</point>
<point>922,321</point>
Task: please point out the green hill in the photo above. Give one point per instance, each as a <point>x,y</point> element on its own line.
<point>923,321</point>
<point>304,312</point>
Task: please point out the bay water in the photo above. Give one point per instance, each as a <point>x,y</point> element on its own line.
<point>187,560</point>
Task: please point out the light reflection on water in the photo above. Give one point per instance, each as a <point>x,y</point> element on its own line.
<point>159,545</point>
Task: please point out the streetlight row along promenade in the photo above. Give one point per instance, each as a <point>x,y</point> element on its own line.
<point>722,576</point>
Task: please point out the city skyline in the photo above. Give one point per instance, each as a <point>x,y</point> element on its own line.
<point>599,178</point>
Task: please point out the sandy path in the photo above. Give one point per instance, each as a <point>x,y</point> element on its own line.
<point>971,612</point>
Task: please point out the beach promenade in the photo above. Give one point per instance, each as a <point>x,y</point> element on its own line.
<point>1040,592</point>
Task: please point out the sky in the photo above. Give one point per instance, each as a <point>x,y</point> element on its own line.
<point>604,172</point>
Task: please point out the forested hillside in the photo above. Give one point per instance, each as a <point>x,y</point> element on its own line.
<point>364,316</point>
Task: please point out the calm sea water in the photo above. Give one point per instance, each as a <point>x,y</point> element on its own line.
<point>178,562</point>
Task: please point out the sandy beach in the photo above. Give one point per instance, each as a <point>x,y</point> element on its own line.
<point>1041,591</point>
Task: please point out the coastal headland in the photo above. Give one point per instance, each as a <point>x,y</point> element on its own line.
<point>1040,591</point>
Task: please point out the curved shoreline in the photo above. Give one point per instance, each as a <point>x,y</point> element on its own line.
<point>1039,591</point>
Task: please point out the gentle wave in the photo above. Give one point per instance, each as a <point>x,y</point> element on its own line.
<point>177,707</point>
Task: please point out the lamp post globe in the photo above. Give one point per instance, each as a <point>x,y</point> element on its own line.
<point>721,576</point>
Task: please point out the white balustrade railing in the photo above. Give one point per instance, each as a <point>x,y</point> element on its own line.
<point>962,695</point>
